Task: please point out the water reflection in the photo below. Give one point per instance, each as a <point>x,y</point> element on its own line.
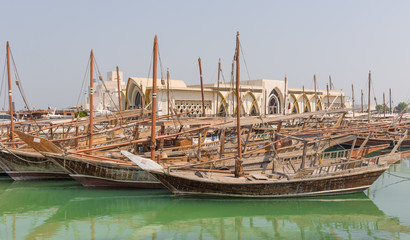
<point>65,210</point>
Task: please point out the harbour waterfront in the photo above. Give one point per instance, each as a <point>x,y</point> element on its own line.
<point>66,210</point>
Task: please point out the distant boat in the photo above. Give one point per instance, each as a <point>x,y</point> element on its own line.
<point>53,115</point>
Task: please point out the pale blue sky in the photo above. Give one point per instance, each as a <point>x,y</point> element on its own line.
<point>51,41</point>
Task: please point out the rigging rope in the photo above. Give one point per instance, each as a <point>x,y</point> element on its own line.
<point>20,87</point>
<point>82,86</point>
<point>105,87</point>
<point>4,82</point>
<point>2,147</point>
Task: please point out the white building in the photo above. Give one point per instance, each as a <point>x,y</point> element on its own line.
<point>262,96</point>
<point>106,97</point>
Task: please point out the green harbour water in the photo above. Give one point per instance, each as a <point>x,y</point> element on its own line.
<point>66,210</point>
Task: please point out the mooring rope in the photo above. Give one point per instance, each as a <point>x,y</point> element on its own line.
<point>398,176</point>
<point>2,147</point>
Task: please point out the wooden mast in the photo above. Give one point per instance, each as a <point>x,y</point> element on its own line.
<point>154,98</point>
<point>384,105</point>
<point>391,110</point>
<point>119,89</point>
<point>217,92</point>
<point>353,99</point>
<point>368,103</point>
<point>328,99</point>
<point>202,88</point>
<point>90,140</point>
<point>361,101</point>
<point>232,84</point>
<point>238,161</point>
<point>284,96</point>
<point>314,80</point>
<point>330,82</point>
<point>119,93</point>
<point>10,97</point>
<point>168,101</point>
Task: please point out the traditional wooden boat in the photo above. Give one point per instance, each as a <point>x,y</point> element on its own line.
<point>339,178</point>
<point>94,172</point>
<point>23,165</point>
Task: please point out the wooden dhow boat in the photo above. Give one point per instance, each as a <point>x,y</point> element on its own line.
<point>332,179</point>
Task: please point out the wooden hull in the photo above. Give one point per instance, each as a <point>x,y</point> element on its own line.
<point>2,172</point>
<point>92,181</point>
<point>91,173</point>
<point>24,165</point>
<point>321,186</point>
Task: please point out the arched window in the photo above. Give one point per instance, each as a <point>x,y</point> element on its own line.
<point>254,112</point>
<point>138,101</point>
<point>222,110</point>
<point>274,106</point>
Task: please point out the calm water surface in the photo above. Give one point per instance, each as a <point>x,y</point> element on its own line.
<point>66,210</point>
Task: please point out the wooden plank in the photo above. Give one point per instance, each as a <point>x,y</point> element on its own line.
<point>39,144</point>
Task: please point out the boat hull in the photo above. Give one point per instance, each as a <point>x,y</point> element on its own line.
<point>23,166</point>
<point>330,185</point>
<point>28,176</point>
<point>93,181</point>
<point>91,173</point>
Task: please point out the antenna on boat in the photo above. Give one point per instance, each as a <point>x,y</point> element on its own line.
<point>238,161</point>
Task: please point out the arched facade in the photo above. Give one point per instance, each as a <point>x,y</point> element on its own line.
<point>135,97</point>
<point>258,97</point>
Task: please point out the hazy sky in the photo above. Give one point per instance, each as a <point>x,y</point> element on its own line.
<point>51,41</point>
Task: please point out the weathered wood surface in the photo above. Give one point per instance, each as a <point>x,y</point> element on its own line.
<point>270,188</point>
<point>27,165</point>
<point>92,173</point>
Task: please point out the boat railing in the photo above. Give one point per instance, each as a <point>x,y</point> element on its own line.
<point>335,154</point>
<point>319,156</point>
<point>337,167</point>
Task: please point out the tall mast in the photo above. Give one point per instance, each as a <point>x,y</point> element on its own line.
<point>217,92</point>
<point>368,103</point>
<point>238,166</point>
<point>328,99</point>
<point>90,142</point>
<point>168,101</point>
<point>10,97</point>
<point>391,110</point>
<point>314,80</point>
<point>330,82</point>
<point>154,99</point>
<point>119,89</point>
<point>353,99</point>
<point>202,88</point>
<point>119,93</point>
<point>232,84</point>
<point>361,101</point>
<point>285,96</point>
<point>384,105</point>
